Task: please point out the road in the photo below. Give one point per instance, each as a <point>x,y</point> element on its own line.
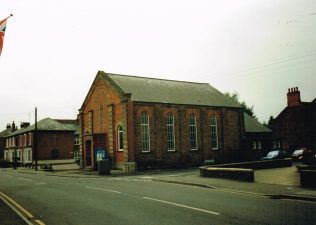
<point>138,200</point>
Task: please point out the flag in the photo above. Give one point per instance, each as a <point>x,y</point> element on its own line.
<point>3,24</point>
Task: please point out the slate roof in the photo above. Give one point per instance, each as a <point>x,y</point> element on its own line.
<point>5,132</point>
<point>252,125</point>
<point>49,124</point>
<point>153,90</point>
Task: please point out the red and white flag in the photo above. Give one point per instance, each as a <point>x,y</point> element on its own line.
<point>3,24</point>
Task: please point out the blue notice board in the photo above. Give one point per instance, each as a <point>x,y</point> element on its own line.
<point>100,153</point>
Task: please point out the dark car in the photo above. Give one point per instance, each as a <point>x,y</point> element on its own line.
<point>276,154</point>
<point>298,155</point>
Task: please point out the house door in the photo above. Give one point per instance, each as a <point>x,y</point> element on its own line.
<point>88,153</point>
<point>55,153</point>
<point>99,142</point>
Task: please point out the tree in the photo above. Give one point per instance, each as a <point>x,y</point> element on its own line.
<point>247,109</point>
<point>271,118</point>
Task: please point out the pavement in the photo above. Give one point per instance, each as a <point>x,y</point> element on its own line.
<point>278,183</point>
<point>8,216</point>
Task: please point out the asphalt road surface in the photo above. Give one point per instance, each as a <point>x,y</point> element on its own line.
<point>137,200</point>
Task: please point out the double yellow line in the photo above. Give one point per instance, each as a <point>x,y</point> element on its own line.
<point>19,208</point>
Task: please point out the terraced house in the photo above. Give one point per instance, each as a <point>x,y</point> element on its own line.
<point>55,141</point>
<point>3,134</point>
<point>154,123</point>
<point>295,125</point>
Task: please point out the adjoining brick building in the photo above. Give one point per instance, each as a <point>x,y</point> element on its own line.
<point>156,123</point>
<point>3,134</point>
<point>295,126</point>
<point>55,141</point>
<point>258,140</point>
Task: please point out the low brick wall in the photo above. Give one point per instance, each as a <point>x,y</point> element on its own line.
<point>308,178</point>
<point>305,167</point>
<point>230,173</point>
<point>242,171</point>
<point>263,164</point>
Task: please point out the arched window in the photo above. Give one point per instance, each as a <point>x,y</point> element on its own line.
<point>193,132</point>
<point>145,133</point>
<point>120,139</point>
<point>214,135</point>
<point>170,132</point>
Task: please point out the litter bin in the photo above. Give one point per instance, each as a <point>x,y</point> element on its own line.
<point>104,167</point>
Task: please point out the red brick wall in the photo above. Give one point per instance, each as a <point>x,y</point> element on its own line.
<point>108,113</point>
<point>295,126</point>
<point>47,141</point>
<point>229,133</point>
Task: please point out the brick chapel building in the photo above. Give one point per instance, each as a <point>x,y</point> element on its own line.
<point>155,123</point>
<point>295,126</point>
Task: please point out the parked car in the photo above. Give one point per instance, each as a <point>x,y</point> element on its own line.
<point>298,154</point>
<point>276,154</point>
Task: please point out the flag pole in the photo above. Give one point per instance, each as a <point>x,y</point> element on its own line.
<point>8,17</point>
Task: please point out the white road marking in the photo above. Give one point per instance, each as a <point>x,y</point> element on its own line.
<point>40,183</point>
<point>146,177</point>
<point>183,206</point>
<point>172,175</point>
<point>27,179</point>
<point>130,179</point>
<point>7,175</point>
<point>102,189</point>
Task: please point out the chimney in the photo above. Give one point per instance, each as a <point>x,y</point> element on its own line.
<point>8,126</point>
<point>13,128</point>
<point>24,125</point>
<point>293,97</point>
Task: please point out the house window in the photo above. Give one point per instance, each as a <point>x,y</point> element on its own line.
<point>145,132</point>
<point>25,139</point>
<point>120,138</point>
<point>193,132</point>
<point>19,142</point>
<point>29,157</point>
<point>76,154</point>
<point>170,132</point>
<point>19,156</point>
<point>254,145</point>
<point>258,144</point>
<point>278,144</point>
<point>214,134</point>
<point>30,139</point>
<point>76,141</point>
<point>6,155</point>
<point>10,156</point>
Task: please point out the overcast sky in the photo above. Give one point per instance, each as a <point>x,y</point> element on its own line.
<point>53,50</point>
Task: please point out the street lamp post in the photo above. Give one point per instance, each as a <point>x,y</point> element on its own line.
<point>35,143</point>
